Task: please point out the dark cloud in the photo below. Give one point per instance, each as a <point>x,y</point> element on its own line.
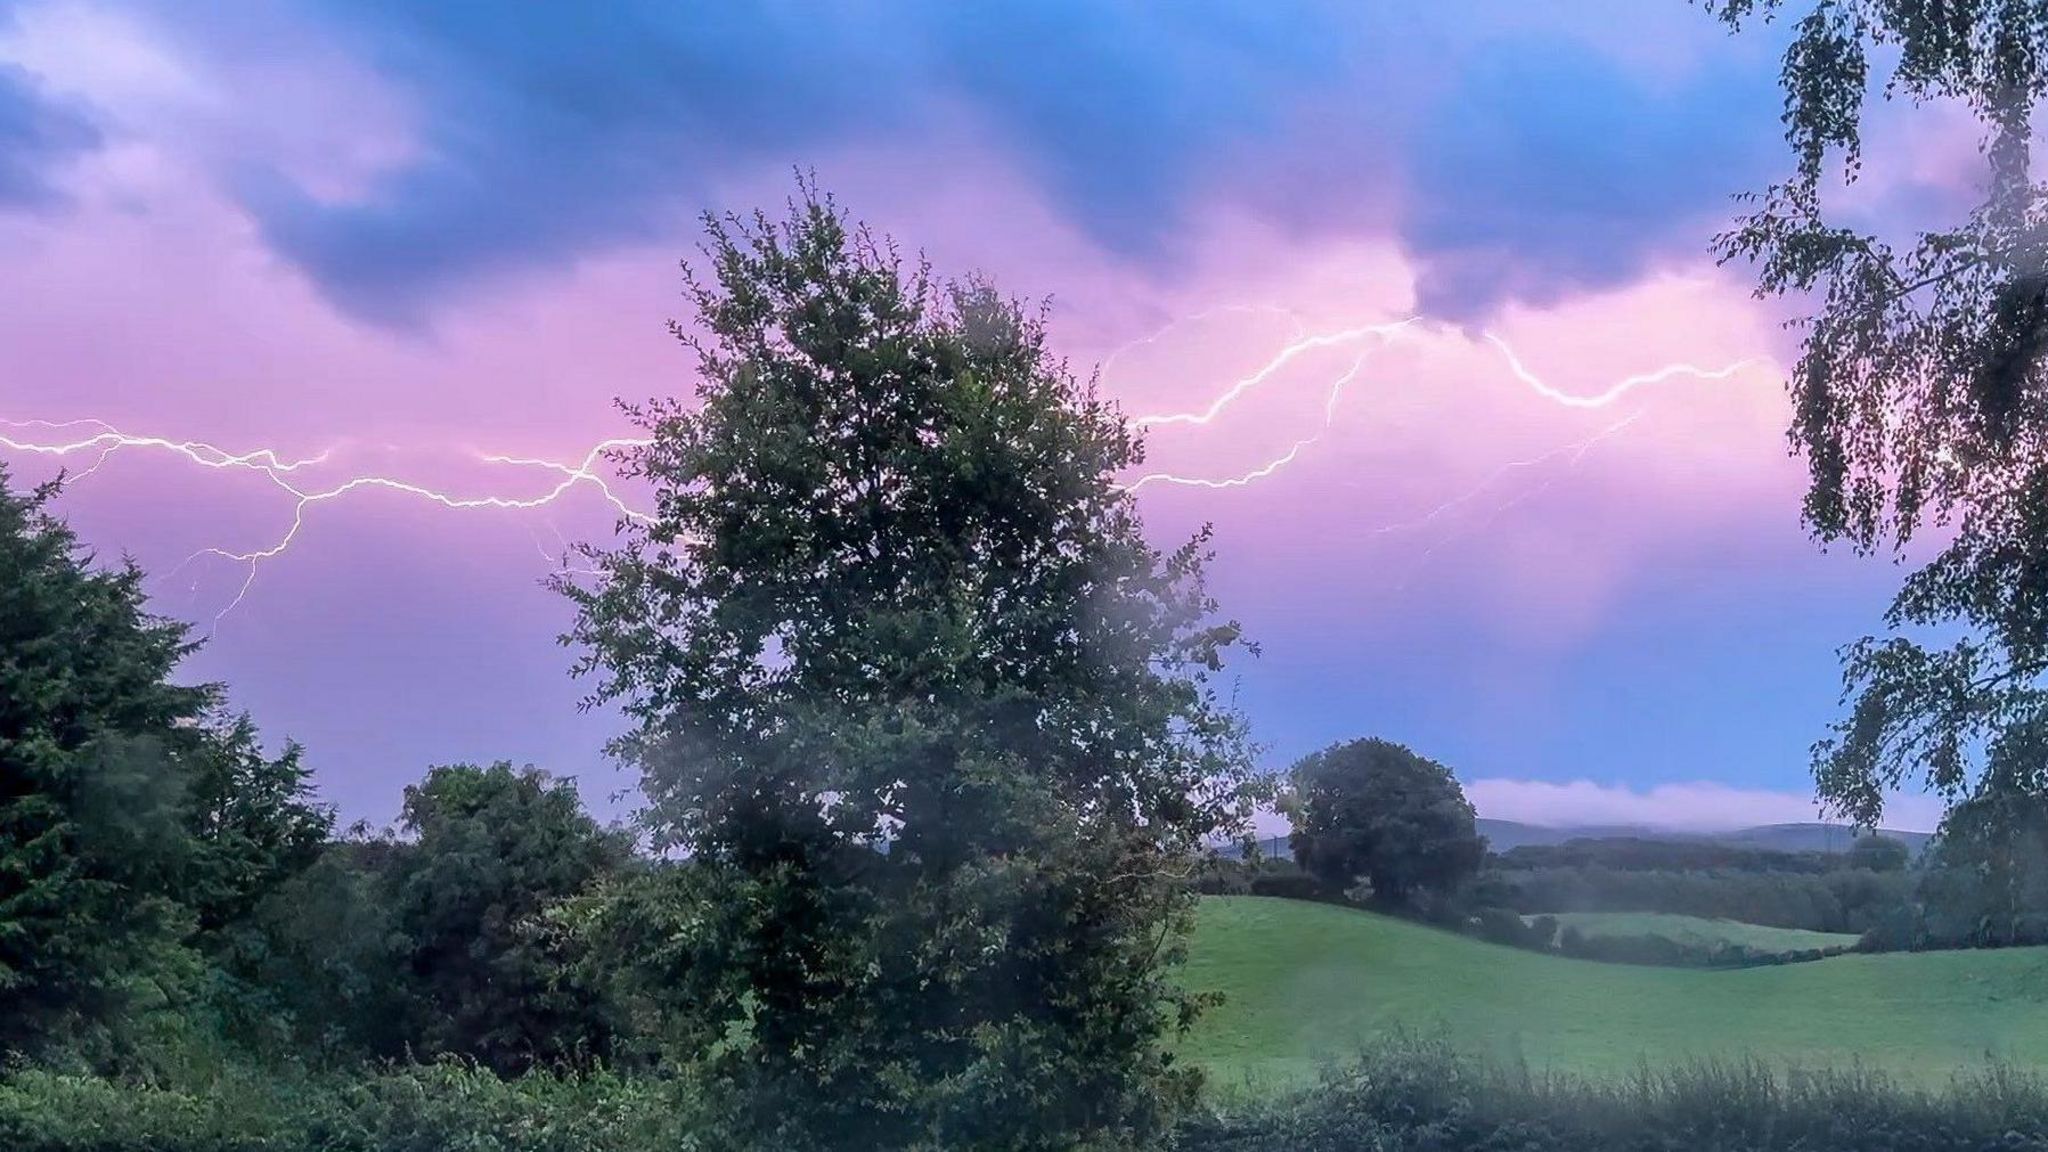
<point>36,135</point>
<point>552,129</point>
<point>1547,170</point>
<point>1124,109</point>
<point>1515,159</point>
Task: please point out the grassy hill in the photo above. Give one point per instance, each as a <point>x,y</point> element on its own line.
<point>1306,981</point>
<point>1699,931</point>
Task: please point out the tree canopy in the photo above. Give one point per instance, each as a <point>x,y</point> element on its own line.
<point>934,720</point>
<point>492,849</point>
<point>1375,811</point>
<point>1919,397</point>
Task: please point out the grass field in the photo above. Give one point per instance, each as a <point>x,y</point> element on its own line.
<point>1307,981</point>
<point>1700,932</point>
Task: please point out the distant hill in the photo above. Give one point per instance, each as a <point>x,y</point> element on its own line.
<point>1503,835</point>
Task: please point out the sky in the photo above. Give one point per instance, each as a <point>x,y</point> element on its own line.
<point>340,283</point>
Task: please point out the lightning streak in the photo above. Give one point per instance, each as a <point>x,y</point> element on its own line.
<point>1299,347</point>
<point>1619,388</point>
<point>107,439</point>
<point>1337,387</point>
<point>103,440</point>
<point>1576,451</point>
<point>1304,343</point>
<point>571,476</point>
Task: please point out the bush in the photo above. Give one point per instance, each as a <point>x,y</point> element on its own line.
<point>428,1108</point>
<point>1292,886</point>
<point>1500,926</point>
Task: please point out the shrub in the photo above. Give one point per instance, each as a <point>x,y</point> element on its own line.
<point>429,1108</point>
<point>1291,886</point>
<point>1500,926</point>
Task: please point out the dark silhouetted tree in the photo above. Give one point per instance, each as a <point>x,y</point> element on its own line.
<point>895,594</point>
<point>140,827</point>
<point>92,836</point>
<point>491,851</point>
<point>1879,854</point>
<point>1986,880</point>
<point>1374,811</point>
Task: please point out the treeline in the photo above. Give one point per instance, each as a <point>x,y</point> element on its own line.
<point>1636,854</point>
<point>1985,881</point>
<point>1850,893</point>
<point>1845,900</point>
<point>173,897</point>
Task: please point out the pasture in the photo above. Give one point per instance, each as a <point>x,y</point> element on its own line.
<point>1308,981</point>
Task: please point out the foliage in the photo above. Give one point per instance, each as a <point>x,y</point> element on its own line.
<point>1985,884</point>
<point>422,1108</point>
<point>1919,396</point>
<point>332,969</point>
<point>895,596</point>
<point>491,850</point>
<point>1845,901</point>
<point>1374,811</point>
<point>1500,926</point>
<point>1658,949</point>
<point>1879,854</point>
<point>1407,1093</point>
<point>1813,891</point>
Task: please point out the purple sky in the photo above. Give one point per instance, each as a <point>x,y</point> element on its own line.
<point>1548,534</point>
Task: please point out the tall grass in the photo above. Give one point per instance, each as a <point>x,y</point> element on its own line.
<point>1406,1096</point>
<point>1415,1094</point>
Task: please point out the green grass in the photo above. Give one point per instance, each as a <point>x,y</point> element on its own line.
<point>1700,932</point>
<point>1306,981</point>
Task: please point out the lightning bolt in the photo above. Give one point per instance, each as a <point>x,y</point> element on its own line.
<point>100,441</point>
<point>105,439</point>
<point>1300,346</point>
<point>1337,387</point>
<point>1576,451</point>
<point>1304,343</point>
<point>1620,388</point>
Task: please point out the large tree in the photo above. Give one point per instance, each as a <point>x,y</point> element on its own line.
<point>139,824</point>
<point>91,831</point>
<point>1374,811</point>
<point>933,719</point>
<point>1919,395</point>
